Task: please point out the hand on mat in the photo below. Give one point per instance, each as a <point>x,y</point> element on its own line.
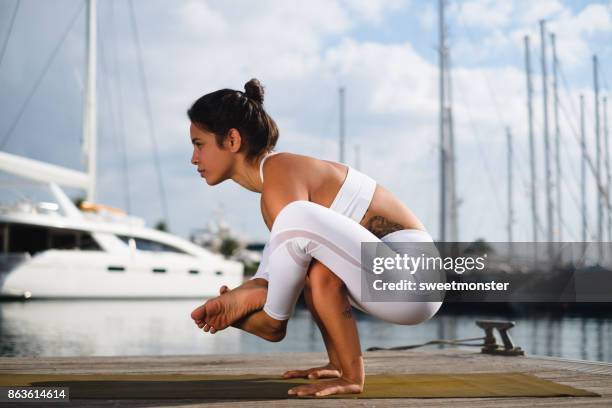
<point>327,387</point>
<point>326,371</point>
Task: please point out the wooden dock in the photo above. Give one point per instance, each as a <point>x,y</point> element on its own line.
<point>591,376</point>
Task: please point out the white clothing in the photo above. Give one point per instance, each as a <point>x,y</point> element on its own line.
<point>304,230</point>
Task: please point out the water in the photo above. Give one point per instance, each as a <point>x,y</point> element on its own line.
<point>153,327</point>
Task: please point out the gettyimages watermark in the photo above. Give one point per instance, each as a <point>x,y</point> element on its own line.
<point>486,272</point>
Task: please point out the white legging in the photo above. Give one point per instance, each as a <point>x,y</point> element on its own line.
<point>304,230</point>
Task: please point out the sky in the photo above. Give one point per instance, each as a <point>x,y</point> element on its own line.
<point>383,52</point>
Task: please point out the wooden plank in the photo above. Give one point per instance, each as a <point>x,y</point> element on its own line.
<point>590,376</point>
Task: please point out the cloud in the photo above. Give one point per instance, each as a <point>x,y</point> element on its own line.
<point>374,11</point>
<point>575,33</point>
<point>488,31</point>
<point>495,15</point>
<point>266,24</point>
<point>392,78</point>
<point>427,17</point>
<point>304,51</point>
<point>202,18</point>
<point>530,12</point>
<point>487,14</point>
<point>594,18</point>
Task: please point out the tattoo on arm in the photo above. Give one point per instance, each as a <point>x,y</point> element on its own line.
<point>347,312</point>
<point>380,226</point>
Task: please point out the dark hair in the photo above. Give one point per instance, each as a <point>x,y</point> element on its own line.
<point>222,110</point>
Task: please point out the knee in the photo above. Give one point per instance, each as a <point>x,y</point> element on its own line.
<point>296,211</point>
<point>297,206</point>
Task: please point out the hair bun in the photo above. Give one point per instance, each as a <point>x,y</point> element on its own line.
<point>254,90</point>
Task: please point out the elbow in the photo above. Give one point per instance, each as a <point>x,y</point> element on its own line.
<point>272,329</point>
<point>275,330</point>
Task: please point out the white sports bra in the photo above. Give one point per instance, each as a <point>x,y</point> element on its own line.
<point>352,200</point>
<point>354,196</point>
<point>270,153</point>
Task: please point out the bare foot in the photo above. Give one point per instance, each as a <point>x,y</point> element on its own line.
<point>326,371</point>
<point>328,387</point>
<point>201,323</point>
<point>220,312</point>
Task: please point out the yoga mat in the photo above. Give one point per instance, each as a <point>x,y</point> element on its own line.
<point>107,386</point>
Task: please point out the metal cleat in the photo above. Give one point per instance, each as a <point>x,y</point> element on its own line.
<point>490,344</point>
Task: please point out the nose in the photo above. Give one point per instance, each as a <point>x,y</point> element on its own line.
<point>194,158</point>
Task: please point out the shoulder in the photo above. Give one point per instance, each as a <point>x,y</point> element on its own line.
<point>281,160</point>
<point>285,167</point>
<point>284,182</point>
<point>285,175</point>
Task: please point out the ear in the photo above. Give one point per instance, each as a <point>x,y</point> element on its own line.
<point>233,140</point>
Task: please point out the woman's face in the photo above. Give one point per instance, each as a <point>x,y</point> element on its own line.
<point>213,163</point>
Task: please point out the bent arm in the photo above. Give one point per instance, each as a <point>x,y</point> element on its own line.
<point>282,187</point>
<point>280,190</point>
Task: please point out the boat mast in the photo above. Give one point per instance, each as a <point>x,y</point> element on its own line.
<point>607,158</point>
<point>53,174</point>
<point>583,175</point>
<point>598,161</point>
<point>510,205</point>
<point>558,175</point>
<point>449,202</point>
<point>549,205</point>
<point>89,111</point>
<point>534,211</point>
<point>341,141</point>
<point>451,156</point>
<point>443,181</point>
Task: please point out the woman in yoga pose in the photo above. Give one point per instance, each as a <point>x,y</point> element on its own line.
<point>318,213</point>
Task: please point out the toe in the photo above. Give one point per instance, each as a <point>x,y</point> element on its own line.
<point>199,312</point>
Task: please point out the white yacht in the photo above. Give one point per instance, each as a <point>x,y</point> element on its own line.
<point>57,250</point>
<point>54,250</point>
